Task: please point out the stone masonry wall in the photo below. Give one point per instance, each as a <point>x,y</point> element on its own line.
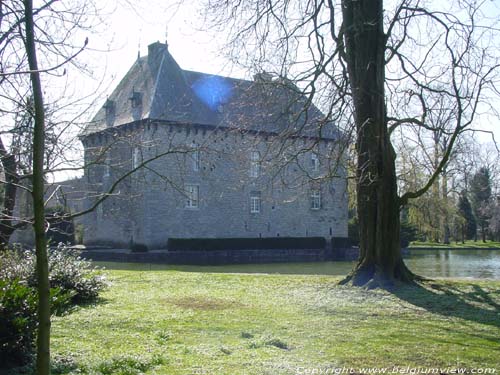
<point>149,206</point>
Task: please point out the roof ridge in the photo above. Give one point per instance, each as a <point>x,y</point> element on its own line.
<point>153,97</point>
<point>216,75</point>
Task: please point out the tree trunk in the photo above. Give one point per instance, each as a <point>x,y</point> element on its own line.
<point>380,263</point>
<point>42,269</point>
<point>445,219</point>
<point>9,165</point>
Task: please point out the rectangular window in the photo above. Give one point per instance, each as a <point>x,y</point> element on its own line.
<point>136,157</point>
<point>315,199</point>
<point>99,212</point>
<point>107,166</point>
<point>314,162</point>
<point>192,196</point>
<point>255,164</point>
<point>196,160</point>
<point>255,202</point>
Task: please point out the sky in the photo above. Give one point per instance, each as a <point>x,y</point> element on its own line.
<point>131,26</point>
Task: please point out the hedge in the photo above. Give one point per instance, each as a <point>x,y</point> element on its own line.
<point>213,244</point>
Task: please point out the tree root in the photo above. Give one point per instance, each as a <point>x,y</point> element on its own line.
<point>372,276</point>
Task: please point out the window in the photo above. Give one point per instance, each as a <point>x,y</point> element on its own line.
<point>255,164</point>
<point>314,162</point>
<point>192,196</point>
<point>107,166</point>
<point>196,160</point>
<point>315,199</point>
<point>136,99</point>
<point>99,212</point>
<point>255,202</point>
<point>136,157</point>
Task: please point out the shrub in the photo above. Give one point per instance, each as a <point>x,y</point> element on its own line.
<point>72,281</point>
<point>138,248</point>
<point>408,233</point>
<point>17,322</point>
<point>213,244</point>
<point>68,272</point>
<point>341,242</point>
<point>72,274</point>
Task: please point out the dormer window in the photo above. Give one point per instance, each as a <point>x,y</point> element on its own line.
<point>135,99</point>
<point>109,107</point>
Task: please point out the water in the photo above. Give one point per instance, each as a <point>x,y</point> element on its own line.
<point>476,264</point>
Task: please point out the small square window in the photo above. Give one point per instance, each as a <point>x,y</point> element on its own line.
<point>192,193</point>
<point>315,199</point>
<point>255,202</point>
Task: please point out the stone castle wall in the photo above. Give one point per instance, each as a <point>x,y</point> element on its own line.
<point>149,206</point>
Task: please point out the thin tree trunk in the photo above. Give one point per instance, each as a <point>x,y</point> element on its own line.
<point>380,263</point>
<point>445,219</point>
<point>43,338</point>
<point>9,165</point>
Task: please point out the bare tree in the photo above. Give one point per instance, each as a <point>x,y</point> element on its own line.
<point>35,44</point>
<point>389,68</point>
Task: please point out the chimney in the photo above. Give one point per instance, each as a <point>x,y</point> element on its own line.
<point>263,77</point>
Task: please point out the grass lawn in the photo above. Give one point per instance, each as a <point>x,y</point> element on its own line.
<point>172,322</point>
<point>468,244</point>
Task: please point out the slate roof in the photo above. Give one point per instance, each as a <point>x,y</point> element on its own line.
<point>156,88</point>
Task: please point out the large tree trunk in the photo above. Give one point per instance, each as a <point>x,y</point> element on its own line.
<point>380,263</point>
<point>42,269</point>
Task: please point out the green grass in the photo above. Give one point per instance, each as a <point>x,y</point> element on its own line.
<point>468,244</point>
<point>171,322</point>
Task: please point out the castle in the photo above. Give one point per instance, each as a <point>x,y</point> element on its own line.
<point>185,154</point>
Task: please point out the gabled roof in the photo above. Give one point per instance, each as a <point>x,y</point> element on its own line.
<point>156,88</point>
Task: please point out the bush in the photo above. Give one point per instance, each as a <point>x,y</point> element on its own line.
<point>74,275</point>
<point>213,244</point>
<point>138,248</point>
<point>409,233</point>
<point>72,281</point>
<point>341,242</point>
<point>17,322</point>
<point>68,272</point>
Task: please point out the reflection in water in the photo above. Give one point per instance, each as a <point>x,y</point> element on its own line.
<point>479,264</point>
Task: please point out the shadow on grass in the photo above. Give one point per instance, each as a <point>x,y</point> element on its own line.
<point>468,301</point>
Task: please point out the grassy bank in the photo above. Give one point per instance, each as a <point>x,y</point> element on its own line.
<point>454,245</point>
<point>171,322</point>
